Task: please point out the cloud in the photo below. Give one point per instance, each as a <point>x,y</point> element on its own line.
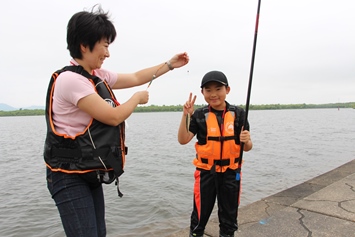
<point>305,51</point>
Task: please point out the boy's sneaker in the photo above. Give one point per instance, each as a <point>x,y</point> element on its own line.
<point>225,235</point>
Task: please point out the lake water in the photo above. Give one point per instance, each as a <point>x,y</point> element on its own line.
<point>290,147</point>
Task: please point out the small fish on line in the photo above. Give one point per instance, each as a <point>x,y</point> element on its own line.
<point>188,118</point>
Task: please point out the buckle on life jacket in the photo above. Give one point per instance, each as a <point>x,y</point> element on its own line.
<point>225,162</point>
<point>106,177</point>
<point>221,138</point>
<point>125,150</point>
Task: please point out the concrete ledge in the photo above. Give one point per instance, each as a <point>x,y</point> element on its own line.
<point>324,206</point>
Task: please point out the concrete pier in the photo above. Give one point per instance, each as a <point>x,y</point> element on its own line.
<point>323,206</point>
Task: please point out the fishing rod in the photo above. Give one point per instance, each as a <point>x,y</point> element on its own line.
<point>250,80</point>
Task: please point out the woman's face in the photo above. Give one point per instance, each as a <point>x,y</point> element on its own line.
<point>96,57</point>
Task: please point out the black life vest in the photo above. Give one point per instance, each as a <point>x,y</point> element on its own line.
<point>99,147</point>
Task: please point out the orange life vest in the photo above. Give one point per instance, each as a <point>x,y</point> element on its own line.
<point>220,150</point>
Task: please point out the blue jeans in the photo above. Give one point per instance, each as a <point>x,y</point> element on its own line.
<point>80,204</point>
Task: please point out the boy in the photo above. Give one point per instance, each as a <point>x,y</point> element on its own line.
<point>219,130</point>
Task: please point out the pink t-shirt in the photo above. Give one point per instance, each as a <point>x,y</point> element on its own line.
<point>69,88</point>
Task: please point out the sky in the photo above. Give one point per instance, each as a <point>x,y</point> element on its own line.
<point>305,50</point>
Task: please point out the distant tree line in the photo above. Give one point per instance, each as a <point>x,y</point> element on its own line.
<point>22,112</point>
<point>302,106</point>
<point>178,108</point>
<point>173,108</point>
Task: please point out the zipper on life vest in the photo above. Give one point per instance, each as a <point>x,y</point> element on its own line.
<point>221,127</point>
<point>222,135</point>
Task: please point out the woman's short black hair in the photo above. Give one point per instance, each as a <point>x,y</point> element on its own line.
<point>88,28</point>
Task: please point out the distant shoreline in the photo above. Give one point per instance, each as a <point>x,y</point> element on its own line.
<point>178,108</point>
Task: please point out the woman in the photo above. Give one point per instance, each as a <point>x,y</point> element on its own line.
<point>85,146</point>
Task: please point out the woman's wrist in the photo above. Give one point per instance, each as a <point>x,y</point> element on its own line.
<point>169,65</point>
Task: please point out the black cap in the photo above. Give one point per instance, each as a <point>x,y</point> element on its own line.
<point>214,76</point>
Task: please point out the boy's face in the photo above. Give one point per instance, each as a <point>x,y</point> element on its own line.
<point>215,94</point>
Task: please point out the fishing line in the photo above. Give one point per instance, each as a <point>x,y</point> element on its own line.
<point>155,74</point>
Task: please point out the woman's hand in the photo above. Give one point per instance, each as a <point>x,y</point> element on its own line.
<point>142,97</point>
<point>179,60</point>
